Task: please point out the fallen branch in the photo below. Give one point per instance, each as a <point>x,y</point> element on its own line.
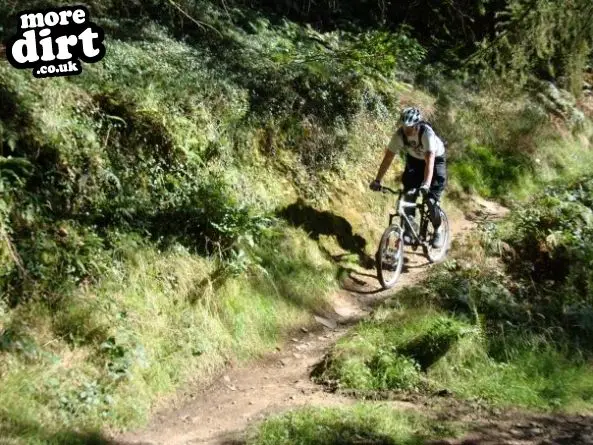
<point>197,22</point>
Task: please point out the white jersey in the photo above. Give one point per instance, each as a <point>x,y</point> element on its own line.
<point>430,143</point>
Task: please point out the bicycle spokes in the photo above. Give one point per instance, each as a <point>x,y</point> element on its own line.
<point>390,256</point>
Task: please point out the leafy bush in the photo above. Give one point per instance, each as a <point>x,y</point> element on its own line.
<point>554,239</point>
<point>546,289</point>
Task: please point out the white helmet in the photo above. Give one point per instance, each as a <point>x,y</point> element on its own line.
<point>411,116</point>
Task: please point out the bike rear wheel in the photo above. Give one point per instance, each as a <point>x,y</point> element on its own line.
<point>390,256</point>
<point>436,255</point>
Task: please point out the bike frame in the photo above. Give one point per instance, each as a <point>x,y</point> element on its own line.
<point>402,205</point>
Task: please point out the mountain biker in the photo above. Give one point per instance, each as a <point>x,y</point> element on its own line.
<point>426,167</point>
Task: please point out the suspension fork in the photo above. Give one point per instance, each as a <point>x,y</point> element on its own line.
<point>423,221</point>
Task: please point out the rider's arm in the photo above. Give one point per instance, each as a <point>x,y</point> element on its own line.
<point>430,145</point>
<point>428,168</point>
<point>387,160</point>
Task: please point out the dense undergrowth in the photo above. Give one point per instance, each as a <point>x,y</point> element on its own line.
<point>141,234</point>
<point>507,321</point>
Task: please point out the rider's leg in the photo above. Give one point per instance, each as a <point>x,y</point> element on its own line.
<point>411,179</point>
<point>436,190</point>
<point>439,181</point>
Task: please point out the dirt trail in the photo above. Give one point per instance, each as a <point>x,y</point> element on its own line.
<point>223,411</point>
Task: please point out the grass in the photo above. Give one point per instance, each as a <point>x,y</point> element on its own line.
<point>487,324</point>
<point>505,147</point>
<point>391,353</point>
<point>123,306</point>
<point>363,423</point>
<point>426,349</point>
<point>532,377</point>
<point>139,335</point>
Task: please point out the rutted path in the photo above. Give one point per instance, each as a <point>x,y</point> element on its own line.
<point>222,412</point>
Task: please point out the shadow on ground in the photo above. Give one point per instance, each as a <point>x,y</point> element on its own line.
<point>548,430</point>
<point>317,223</point>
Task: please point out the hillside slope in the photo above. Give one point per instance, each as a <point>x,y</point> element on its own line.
<point>179,206</point>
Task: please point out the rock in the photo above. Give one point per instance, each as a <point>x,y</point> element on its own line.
<point>330,324</point>
<point>297,356</point>
<point>227,379</point>
<point>296,340</point>
<point>305,330</point>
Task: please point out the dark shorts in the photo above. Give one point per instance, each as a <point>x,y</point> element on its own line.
<point>414,175</point>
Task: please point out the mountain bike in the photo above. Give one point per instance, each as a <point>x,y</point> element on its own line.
<point>390,254</point>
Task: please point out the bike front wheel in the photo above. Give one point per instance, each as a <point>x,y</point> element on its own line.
<point>390,256</point>
<point>433,254</point>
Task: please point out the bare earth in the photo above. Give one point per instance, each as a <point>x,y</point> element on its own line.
<point>221,413</point>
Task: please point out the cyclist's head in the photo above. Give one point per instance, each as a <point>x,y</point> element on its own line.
<point>410,117</point>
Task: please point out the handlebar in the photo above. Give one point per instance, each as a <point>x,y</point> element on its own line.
<point>400,191</point>
<point>387,189</point>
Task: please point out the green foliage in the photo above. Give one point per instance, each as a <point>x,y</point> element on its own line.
<point>394,371</point>
<point>519,336</point>
<point>527,373</point>
<point>392,354</point>
<point>504,145</point>
<point>498,357</point>
<point>533,321</point>
<point>140,332</point>
<point>553,238</point>
<point>372,424</point>
<point>450,29</point>
<point>490,173</point>
<point>307,86</point>
<point>545,38</point>
<point>370,54</point>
